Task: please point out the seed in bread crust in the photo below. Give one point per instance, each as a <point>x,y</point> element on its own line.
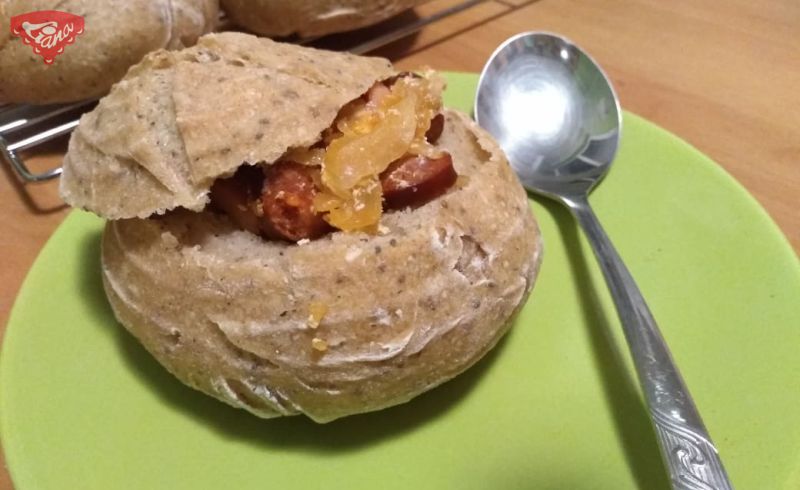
<point>319,344</point>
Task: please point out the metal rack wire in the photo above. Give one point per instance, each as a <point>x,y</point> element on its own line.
<point>26,127</point>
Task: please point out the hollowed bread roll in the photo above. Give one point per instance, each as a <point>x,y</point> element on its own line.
<point>350,322</point>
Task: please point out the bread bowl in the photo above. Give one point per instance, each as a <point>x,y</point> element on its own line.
<point>311,17</point>
<point>117,34</point>
<point>326,324</point>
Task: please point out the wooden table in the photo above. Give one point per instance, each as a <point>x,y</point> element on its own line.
<point>722,74</point>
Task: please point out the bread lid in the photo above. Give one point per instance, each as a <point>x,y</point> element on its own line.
<point>181,119</point>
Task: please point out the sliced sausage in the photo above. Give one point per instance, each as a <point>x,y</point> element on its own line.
<point>414,180</point>
<point>435,131</point>
<point>238,196</point>
<point>287,202</point>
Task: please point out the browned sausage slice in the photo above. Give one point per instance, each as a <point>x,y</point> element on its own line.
<point>414,180</point>
<point>237,196</point>
<point>287,202</point>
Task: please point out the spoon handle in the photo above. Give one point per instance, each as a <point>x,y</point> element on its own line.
<point>690,456</point>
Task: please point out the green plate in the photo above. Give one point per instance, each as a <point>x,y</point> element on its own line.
<point>555,406</point>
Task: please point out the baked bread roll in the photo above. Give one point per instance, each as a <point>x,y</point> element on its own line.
<point>117,34</point>
<point>347,322</point>
<point>311,17</point>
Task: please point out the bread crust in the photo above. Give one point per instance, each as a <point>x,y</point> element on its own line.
<point>228,313</point>
<point>117,35</point>
<point>311,17</point>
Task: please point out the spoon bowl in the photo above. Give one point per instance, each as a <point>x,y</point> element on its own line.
<point>555,114</point>
<point>553,111</point>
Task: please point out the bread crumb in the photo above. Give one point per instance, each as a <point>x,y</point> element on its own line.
<point>382,317</point>
<point>352,254</point>
<point>319,344</point>
<point>316,311</point>
<point>169,239</point>
<point>383,230</point>
<point>304,241</point>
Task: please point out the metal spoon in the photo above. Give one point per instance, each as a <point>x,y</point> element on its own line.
<point>555,114</point>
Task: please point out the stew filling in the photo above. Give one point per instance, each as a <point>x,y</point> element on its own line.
<point>378,155</point>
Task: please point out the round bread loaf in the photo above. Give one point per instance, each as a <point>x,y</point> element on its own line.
<point>347,323</point>
<point>181,119</point>
<point>228,313</point>
<point>311,17</point>
<point>117,34</point>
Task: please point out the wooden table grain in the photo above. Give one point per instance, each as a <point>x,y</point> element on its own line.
<point>722,74</point>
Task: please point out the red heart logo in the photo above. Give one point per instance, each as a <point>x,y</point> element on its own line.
<point>47,32</point>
